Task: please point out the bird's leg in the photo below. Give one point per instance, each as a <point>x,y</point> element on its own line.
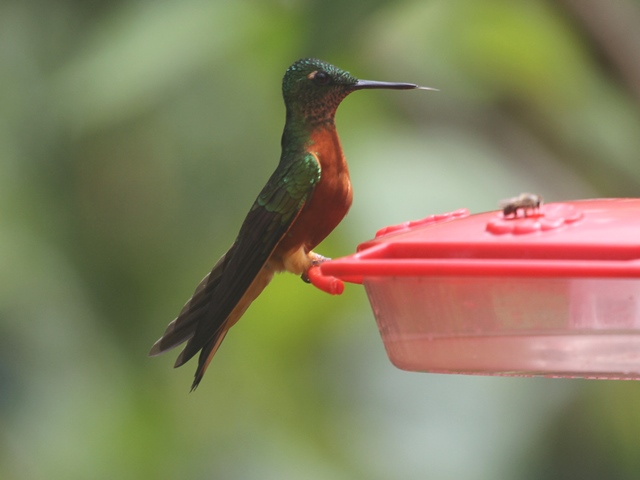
<point>301,262</point>
<point>315,261</point>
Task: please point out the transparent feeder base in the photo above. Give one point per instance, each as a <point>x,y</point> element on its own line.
<point>595,356</point>
<point>556,327</point>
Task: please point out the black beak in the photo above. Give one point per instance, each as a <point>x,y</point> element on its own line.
<point>367,84</point>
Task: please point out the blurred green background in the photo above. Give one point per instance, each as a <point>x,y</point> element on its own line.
<point>134,136</point>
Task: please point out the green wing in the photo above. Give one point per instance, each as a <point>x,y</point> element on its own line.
<point>269,219</point>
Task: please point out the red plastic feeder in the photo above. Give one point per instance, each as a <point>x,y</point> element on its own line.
<point>553,293</point>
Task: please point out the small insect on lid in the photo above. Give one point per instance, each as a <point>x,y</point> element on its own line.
<point>549,290</point>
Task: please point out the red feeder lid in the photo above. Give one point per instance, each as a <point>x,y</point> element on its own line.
<point>588,238</point>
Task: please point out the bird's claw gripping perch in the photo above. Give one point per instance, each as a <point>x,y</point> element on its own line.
<point>316,261</point>
<point>314,276</point>
<point>326,283</point>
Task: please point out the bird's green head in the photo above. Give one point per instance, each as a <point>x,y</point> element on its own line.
<point>313,89</point>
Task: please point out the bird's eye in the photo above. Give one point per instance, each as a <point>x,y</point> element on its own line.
<point>321,78</point>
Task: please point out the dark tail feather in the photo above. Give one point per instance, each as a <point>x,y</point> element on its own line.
<point>184,326</point>
<point>207,353</point>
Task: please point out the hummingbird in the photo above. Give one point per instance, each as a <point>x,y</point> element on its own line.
<point>305,198</point>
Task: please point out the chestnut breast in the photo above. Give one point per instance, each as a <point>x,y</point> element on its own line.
<point>331,197</point>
